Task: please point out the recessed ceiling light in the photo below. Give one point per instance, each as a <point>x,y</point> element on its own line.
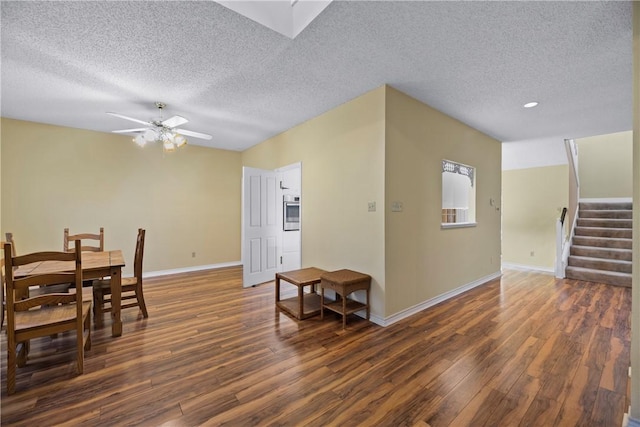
<point>530,104</point>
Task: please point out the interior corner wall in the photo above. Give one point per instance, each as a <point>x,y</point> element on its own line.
<point>605,166</point>
<point>55,177</point>
<point>532,202</point>
<point>342,156</point>
<point>422,260</point>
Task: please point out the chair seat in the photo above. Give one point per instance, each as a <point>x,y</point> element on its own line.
<point>105,285</point>
<point>49,316</point>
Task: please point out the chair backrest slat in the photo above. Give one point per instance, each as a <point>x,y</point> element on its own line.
<point>23,283</point>
<point>43,256</point>
<point>43,300</point>
<point>98,241</point>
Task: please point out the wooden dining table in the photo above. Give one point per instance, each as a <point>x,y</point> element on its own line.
<point>95,265</point>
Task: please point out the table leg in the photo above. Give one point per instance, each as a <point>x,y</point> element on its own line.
<point>116,294</point>
<point>321,303</point>
<point>277,289</point>
<point>368,304</point>
<point>344,312</point>
<point>301,301</point>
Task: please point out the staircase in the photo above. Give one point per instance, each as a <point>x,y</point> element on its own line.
<point>601,247</point>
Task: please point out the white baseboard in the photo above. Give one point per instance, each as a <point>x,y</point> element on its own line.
<point>606,199</point>
<point>523,267</point>
<point>190,269</point>
<point>382,321</point>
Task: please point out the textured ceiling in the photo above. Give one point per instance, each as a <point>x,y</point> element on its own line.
<point>67,63</point>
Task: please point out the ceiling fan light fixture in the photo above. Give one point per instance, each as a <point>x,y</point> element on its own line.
<point>168,146</point>
<point>179,140</point>
<point>150,135</point>
<point>140,140</point>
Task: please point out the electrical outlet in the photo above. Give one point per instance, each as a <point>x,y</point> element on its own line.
<point>372,206</point>
<point>396,207</point>
<point>193,254</point>
<point>533,253</point>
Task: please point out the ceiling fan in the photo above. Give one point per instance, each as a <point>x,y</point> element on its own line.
<point>159,130</point>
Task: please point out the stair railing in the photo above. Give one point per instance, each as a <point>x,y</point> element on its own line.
<point>563,238</point>
<point>562,245</point>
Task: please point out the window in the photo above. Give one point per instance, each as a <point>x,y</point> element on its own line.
<point>458,194</point>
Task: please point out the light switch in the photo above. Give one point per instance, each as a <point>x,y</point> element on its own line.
<point>396,207</point>
<point>372,206</point>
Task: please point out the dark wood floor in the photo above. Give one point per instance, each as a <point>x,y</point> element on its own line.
<point>526,350</point>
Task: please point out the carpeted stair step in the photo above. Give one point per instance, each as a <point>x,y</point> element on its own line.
<point>611,213</point>
<point>602,242</point>
<point>617,233</point>
<point>600,252</point>
<point>590,206</point>
<point>600,264</point>
<point>601,249</point>
<point>605,222</point>
<point>598,276</point>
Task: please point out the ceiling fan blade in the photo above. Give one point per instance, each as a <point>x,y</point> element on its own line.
<point>192,133</point>
<point>174,121</point>
<point>129,130</point>
<point>129,118</point>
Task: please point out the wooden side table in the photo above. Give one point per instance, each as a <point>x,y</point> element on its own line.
<point>343,283</point>
<point>304,305</point>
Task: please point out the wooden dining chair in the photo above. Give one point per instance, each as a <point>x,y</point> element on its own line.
<point>131,287</point>
<point>97,241</point>
<point>46,314</point>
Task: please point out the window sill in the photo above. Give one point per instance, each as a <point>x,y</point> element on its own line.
<point>458,225</point>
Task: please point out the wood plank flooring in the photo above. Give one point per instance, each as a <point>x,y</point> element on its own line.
<point>522,350</point>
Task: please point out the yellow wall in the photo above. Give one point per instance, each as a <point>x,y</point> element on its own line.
<point>605,165</point>
<point>533,201</point>
<point>342,156</point>
<point>423,260</point>
<point>381,147</point>
<point>55,177</point>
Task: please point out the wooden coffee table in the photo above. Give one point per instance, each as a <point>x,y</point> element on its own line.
<point>305,305</point>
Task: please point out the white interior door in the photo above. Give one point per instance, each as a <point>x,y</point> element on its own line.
<point>261,225</point>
